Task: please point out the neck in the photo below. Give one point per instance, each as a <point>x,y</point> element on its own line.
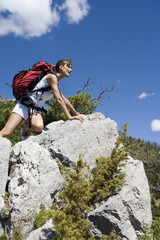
<point>59,75</point>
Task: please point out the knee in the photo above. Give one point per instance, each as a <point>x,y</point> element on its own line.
<point>38,127</point>
<point>5,133</point>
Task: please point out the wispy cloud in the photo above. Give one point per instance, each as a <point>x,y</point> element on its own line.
<point>145,95</point>
<point>155,125</point>
<point>33,18</point>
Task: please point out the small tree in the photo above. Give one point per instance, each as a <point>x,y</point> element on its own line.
<point>81,191</point>
<point>84,103</point>
<point>6,107</point>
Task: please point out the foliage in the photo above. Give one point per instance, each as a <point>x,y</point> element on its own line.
<point>82,188</point>
<point>6,107</point>
<point>149,154</point>
<point>146,236</point>
<point>69,221</point>
<point>156,228</point>
<point>3,237</point>
<point>17,235</point>
<point>81,102</point>
<point>102,181</point>
<point>6,197</point>
<point>107,177</point>
<point>41,217</point>
<point>54,112</point>
<point>112,236</point>
<point>153,233</point>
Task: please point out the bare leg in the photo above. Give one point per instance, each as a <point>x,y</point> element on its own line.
<point>36,125</point>
<point>12,123</point>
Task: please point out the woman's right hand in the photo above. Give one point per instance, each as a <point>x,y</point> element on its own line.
<point>78,117</point>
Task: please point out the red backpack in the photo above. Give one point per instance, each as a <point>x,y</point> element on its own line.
<point>25,81</point>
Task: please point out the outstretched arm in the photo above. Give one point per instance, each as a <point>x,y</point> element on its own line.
<point>69,105</point>
<point>71,108</point>
<point>61,100</point>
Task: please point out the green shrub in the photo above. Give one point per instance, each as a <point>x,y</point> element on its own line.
<point>82,188</point>
<point>149,154</point>
<point>155,229</point>
<point>3,237</point>
<point>107,177</point>
<point>17,233</point>
<point>42,217</point>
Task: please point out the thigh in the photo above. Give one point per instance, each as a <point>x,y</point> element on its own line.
<point>36,120</point>
<point>21,110</point>
<point>12,123</point>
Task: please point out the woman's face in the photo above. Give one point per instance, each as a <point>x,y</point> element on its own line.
<point>66,69</point>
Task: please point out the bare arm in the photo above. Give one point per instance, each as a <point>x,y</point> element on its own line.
<point>61,100</point>
<point>69,105</point>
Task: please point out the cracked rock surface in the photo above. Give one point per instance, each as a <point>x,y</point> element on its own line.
<point>35,178</point>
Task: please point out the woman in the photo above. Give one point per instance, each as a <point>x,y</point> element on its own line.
<point>62,69</point>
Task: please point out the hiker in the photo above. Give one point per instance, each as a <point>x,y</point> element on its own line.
<point>62,69</point>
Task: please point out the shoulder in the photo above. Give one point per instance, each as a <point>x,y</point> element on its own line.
<point>51,78</point>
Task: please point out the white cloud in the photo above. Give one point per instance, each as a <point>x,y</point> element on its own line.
<point>76,10</point>
<point>155,125</point>
<point>30,18</point>
<point>145,95</point>
<point>33,18</point>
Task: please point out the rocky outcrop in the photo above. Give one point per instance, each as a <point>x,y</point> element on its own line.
<point>35,178</point>
<point>126,212</point>
<point>46,232</point>
<point>5,150</point>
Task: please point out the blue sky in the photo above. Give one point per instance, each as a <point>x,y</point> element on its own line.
<point>113,42</point>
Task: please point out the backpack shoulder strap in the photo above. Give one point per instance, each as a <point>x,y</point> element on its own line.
<point>45,89</point>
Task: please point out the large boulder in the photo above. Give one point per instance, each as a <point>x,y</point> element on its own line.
<point>129,211</point>
<point>5,150</point>
<point>35,178</point>
<point>46,232</point>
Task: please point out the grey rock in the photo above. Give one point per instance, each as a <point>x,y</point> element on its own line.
<point>46,232</point>
<point>5,150</point>
<point>92,138</point>
<point>2,204</point>
<point>129,211</point>
<point>35,178</point>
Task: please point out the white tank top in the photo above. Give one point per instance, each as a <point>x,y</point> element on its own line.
<point>38,97</point>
